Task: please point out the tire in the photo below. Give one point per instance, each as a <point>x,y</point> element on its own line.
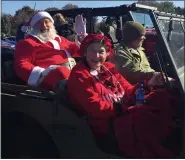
<point>23,137</point>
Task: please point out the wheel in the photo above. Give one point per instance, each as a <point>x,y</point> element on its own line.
<point>23,137</point>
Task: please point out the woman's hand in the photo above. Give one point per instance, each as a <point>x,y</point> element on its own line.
<point>80,27</point>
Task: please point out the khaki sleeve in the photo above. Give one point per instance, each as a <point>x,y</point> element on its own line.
<point>129,69</point>
<point>146,64</point>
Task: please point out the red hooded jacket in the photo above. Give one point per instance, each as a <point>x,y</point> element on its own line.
<point>88,95</point>
<point>139,130</point>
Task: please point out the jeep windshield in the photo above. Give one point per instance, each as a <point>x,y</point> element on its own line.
<point>174,34</point>
<point>172,27</point>
<point>173,31</point>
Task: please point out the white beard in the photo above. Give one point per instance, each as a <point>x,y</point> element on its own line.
<point>44,36</point>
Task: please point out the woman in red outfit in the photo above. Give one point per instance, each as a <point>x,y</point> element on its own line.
<point>99,91</point>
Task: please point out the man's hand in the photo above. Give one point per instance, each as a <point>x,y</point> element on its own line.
<point>158,80</point>
<point>172,82</point>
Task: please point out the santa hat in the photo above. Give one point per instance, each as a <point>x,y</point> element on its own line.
<point>35,18</point>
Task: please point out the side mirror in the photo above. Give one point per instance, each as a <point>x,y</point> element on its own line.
<point>171,28</point>
<point>182,26</point>
<point>171,25</point>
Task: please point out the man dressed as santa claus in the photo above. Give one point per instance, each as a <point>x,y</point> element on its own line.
<point>43,58</point>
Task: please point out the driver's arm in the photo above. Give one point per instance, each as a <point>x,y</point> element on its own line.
<point>130,70</point>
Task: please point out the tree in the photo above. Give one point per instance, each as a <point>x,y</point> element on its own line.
<point>6,24</point>
<point>26,12</point>
<point>51,9</point>
<point>69,6</point>
<point>152,3</point>
<point>166,6</point>
<point>23,15</point>
<point>179,11</point>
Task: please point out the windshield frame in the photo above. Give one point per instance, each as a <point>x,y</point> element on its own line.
<point>163,44</point>
<point>144,14</point>
<point>176,21</point>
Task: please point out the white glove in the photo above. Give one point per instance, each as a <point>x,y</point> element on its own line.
<point>80,29</point>
<point>49,69</point>
<point>45,73</point>
<point>80,25</point>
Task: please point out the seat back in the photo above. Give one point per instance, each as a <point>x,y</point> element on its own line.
<point>150,42</point>
<point>8,74</point>
<point>7,71</point>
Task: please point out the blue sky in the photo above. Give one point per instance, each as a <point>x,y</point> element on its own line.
<point>11,6</point>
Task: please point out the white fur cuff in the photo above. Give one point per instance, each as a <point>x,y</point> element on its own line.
<point>35,76</point>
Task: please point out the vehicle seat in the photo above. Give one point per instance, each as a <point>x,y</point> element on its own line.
<point>150,43</point>
<point>150,47</point>
<point>8,74</point>
<point>7,71</point>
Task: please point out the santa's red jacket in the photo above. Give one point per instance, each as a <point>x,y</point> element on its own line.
<point>139,130</point>
<point>33,56</point>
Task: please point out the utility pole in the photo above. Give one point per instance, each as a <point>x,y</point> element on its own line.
<point>34,6</point>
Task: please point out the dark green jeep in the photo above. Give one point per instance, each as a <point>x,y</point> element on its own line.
<point>37,123</point>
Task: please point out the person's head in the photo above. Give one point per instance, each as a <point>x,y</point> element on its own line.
<point>96,48</point>
<point>133,34</point>
<point>110,21</point>
<point>59,19</point>
<point>42,25</point>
